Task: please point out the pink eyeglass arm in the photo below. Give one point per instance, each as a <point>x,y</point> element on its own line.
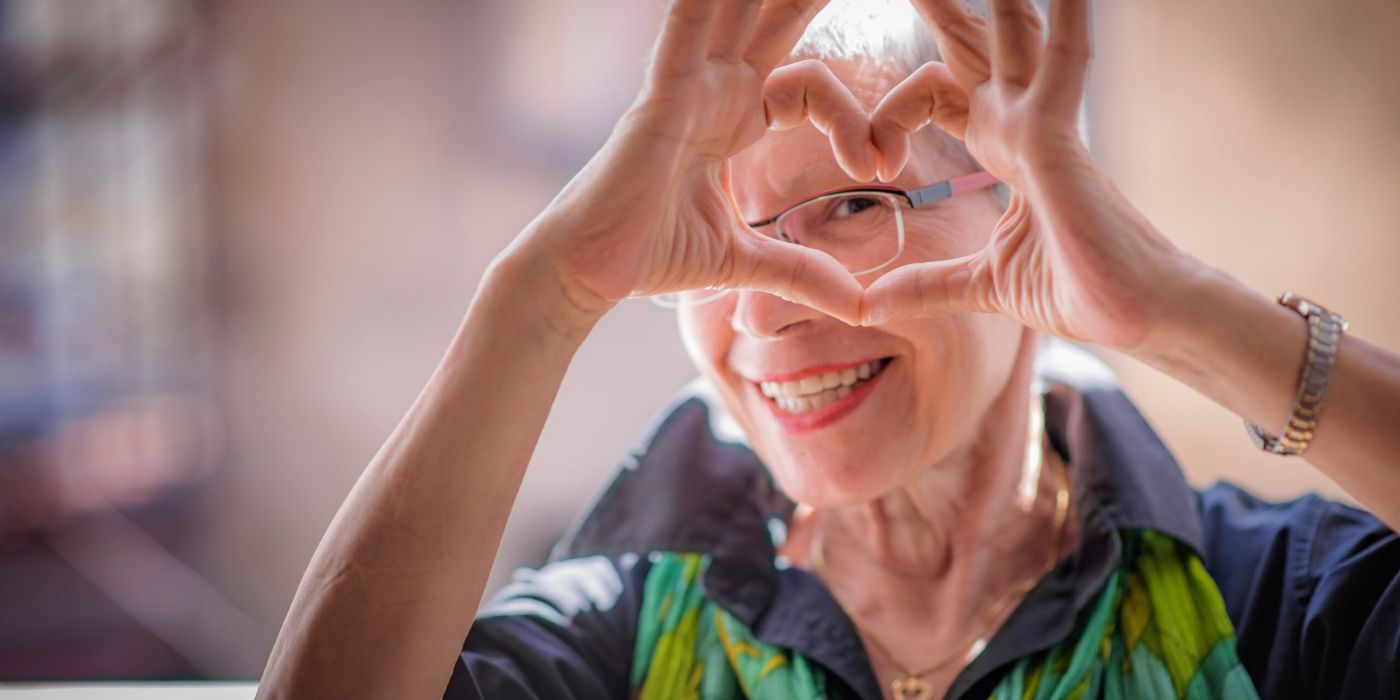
<point>979,180</point>
<point>971,182</point>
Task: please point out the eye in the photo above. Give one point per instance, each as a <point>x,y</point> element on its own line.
<point>850,206</point>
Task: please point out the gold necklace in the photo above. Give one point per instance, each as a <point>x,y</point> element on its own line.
<point>912,685</point>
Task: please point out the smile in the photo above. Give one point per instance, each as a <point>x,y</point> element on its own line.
<point>820,396</point>
<point>817,391</point>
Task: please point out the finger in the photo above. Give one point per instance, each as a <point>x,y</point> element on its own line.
<point>926,289</point>
<point>1064,71</point>
<point>733,26</point>
<point>803,275</point>
<point>1017,40</point>
<point>930,93</point>
<point>962,38</point>
<point>780,25</point>
<point>808,90</point>
<point>681,45</point>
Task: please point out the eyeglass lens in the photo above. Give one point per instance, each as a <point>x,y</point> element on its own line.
<point>862,230</point>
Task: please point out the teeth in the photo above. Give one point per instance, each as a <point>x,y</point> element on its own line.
<point>818,391</point>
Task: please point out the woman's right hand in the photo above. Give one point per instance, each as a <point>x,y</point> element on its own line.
<point>652,212</point>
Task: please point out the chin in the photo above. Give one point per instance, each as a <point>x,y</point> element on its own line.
<point>832,480</point>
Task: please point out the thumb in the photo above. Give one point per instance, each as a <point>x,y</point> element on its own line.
<point>792,272</point>
<point>927,289</point>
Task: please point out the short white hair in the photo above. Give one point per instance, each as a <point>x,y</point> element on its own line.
<point>880,30</point>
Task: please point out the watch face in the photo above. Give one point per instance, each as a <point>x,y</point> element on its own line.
<point>1306,307</point>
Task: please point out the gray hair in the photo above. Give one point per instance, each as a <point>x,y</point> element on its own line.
<point>890,31</point>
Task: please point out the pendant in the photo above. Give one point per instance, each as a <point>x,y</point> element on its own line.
<point>912,688</point>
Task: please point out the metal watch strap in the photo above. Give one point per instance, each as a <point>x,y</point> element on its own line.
<point>1324,337</point>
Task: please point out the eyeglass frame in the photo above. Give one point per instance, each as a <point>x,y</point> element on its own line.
<point>916,198</point>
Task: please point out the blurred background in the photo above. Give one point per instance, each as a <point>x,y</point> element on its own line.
<point>236,236</point>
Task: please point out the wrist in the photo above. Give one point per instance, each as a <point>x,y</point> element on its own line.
<point>524,283</point>
<point>1218,331</point>
<point>1179,337</point>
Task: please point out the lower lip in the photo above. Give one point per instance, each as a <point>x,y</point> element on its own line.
<point>826,415</point>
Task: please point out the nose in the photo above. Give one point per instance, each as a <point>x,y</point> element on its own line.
<point>764,315</point>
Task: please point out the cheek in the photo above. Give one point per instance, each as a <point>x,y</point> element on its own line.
<point>707,335</point>
<point>944,235</point>
<point>959,365</point>
<point>942,240</point>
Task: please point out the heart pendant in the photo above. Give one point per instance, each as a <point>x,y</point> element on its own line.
<point>911,689</point>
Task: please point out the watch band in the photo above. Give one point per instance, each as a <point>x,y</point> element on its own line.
<point>1325,330</point>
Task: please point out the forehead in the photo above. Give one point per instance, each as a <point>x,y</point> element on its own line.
<point>783,167</point>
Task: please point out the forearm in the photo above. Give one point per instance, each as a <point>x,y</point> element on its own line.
<point>1246,352</point>
<point>398,577</point>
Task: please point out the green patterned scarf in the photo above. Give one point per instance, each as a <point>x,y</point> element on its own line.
<point>1158,630</point>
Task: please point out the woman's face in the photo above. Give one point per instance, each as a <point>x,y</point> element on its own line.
<point>933,378</point>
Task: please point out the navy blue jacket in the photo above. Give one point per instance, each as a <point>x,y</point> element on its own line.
<point>1312,586</point>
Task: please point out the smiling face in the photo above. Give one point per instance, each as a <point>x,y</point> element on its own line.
<point>796,379</point>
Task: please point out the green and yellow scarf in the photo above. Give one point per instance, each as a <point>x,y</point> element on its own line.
<point>1158,630</point>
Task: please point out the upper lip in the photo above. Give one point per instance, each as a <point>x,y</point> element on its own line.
<point>811,371</point>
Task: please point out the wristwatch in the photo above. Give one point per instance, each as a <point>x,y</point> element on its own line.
<point>1324,337</point>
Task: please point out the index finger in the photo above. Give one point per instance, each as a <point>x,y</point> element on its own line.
<point>682,41</point>
<point>809,91</point>
<point>780,24</point>
<point>962,37</point>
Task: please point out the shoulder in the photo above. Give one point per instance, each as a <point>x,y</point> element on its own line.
<point>1310,537</point>
<point>566,629</point>
<point>1313,588</point>
<point>563,590</point>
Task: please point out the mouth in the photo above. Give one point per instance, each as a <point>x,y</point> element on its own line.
<point>818,398</point>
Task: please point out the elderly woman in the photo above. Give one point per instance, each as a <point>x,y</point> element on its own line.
<point>885,484</point>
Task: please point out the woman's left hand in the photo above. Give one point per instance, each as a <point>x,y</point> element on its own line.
<point>1071,256</point>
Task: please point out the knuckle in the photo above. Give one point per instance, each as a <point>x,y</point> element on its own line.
<point>807,67</point>
<point>690,13</point>
<point>934,79</point>
<point>784,11</point>
<point>1071,50</point>
<point>1020,12</point>
<point>933,70</point>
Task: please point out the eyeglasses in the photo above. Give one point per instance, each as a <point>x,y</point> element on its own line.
<point>861,227</point>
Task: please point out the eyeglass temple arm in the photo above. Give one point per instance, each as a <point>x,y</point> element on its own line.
<point>964,183</point>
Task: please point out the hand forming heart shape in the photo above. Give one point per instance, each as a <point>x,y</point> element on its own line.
<point>1070,256</point>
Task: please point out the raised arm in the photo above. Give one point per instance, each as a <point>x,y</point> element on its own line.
<point>1072,257</point>
<point>1246,352</point>
<point>392,589</point>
